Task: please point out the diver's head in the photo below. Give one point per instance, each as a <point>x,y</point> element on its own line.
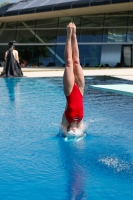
<point>76,129</point>
<point>75,133</point>
<point>73,127</point>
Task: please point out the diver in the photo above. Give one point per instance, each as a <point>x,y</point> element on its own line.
<point>73,82</point>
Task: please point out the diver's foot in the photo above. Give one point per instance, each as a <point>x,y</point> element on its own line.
<point>70,29</point>
<point>74,29</point>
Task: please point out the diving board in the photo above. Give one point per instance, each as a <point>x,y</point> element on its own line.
<point>125,89</point>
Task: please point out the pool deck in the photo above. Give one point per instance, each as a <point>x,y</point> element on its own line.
<point>122,73</point>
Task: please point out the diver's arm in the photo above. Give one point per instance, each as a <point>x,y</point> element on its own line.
<point>63,130</point>
<point>81,125</point>
<point>64,125</point>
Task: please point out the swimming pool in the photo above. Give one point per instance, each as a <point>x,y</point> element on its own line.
<point>35,164</point>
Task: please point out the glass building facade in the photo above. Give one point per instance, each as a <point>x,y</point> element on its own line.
<point>103,39</point>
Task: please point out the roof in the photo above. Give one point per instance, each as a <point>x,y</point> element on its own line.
<point>36,6</point>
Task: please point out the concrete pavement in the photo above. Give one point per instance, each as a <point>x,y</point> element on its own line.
<point>123,73</point>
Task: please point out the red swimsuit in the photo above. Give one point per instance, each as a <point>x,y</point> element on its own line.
<point>74,111</point>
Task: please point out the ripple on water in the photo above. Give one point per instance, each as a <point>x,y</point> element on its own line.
<point>35,164</point>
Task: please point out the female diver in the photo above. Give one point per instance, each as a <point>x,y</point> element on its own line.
<point>73,82</point>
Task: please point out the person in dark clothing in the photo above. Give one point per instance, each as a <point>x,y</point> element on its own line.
<point>12,67</point>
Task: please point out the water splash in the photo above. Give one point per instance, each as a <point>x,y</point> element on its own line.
<point>72,136</point>
<point>115,163</point>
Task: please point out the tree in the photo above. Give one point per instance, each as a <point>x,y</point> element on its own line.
<point>4,3</point>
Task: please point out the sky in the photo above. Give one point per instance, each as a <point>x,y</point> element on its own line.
<point>10,1</point>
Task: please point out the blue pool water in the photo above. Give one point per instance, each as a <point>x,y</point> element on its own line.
<point>35,164</point>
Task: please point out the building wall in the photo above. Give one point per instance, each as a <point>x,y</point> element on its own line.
<point>100,38</point>
<point>111,54</point>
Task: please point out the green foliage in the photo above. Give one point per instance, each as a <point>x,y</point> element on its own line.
<point>4,3</point>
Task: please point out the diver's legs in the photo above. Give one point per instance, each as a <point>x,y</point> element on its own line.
<point>78,72</point>
<point>68,77</point>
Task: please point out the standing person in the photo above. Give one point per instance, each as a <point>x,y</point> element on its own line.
<point>73,82</point>
<point>11,67</point>
<point>23,64</point>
